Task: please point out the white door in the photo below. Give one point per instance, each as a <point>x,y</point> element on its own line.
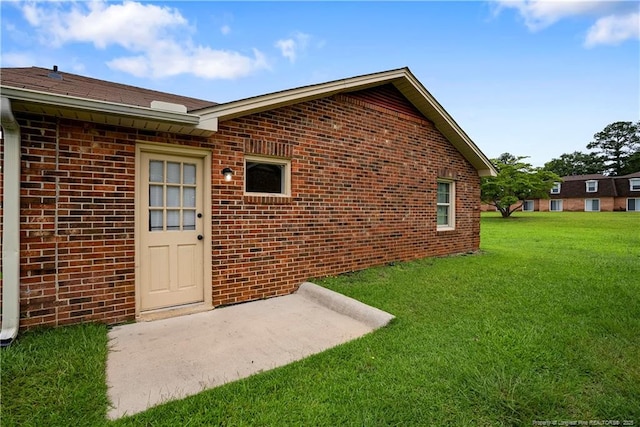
<point>171,230</point>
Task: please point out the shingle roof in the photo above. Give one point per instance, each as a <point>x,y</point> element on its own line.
<point>63,83</point>
<point>608,186</point>
<point>631,175</point>
<point>583,177</point>
<point>623,186</point>
<point>577,187</point>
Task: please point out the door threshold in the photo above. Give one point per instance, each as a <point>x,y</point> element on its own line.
<point>165,313</point>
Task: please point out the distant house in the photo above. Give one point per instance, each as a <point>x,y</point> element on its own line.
<point>121,202</point>
<point>591,193</point>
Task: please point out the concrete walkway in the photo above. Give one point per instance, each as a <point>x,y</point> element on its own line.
<point>153,362</point>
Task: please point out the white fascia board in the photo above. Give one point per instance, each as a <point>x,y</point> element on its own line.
<point>451,129</point>
<point>429,107</point>
<point>234,109</point>
<point>104,107</point>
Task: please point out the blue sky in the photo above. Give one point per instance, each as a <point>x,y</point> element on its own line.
<point>533,78</point>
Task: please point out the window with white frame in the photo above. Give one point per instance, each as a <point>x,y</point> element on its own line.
<point>592,186</point>
<point>633,204</point>
<point>592,205</point>
<point>555,205</point>
<point>267,176</point>
<point>527,206</point>
<point>556,188</point>
<point>634,184</point>
<point>445,205</point>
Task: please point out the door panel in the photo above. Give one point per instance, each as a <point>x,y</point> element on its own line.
<point>172,249</point>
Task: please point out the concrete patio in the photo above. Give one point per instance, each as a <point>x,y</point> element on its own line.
<point>150,363</point>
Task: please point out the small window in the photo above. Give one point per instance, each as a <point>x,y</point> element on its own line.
<point>592,186</point>
<point>592,205</point>
<point>445,205</point>
<point>527,206</point>
<point>265,175</point>
<point>633,205</point>
<point>634,184</point>
<point>555,205</point>
<point>556,188</point>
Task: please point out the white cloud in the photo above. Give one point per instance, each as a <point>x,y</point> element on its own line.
<point>290,48</point>
<point>225,29</point>
<point>13,59</point>
<point>613,30</point>
<point>609,16</point>
<point>539,14</point>
<point>158,37</point>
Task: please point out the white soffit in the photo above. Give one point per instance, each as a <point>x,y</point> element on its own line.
<point>164,119</point>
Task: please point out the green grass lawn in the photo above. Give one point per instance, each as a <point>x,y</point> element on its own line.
<point>542,325</point>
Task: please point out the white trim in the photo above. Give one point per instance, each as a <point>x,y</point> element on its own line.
<point>557,186</point>
<point>636,202</point>
<point>559,202</point>
<point>634,184</point>
<point>524,203</point>
<point>451,214</point>
<point>286,172</point>
<point>108,108</point>
<point>595,187</point>
<point>588,204</point>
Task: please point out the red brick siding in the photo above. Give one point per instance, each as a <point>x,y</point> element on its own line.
<point>606,204</point>
<point>620,203</point>
<point>577,204</point>
<point>77,221</point>
<point>386,96</point>
<point>363,193</point>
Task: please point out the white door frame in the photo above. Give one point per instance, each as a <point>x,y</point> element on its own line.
<point>205,155</point>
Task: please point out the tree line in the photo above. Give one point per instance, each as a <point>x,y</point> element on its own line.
<point>616,152</point>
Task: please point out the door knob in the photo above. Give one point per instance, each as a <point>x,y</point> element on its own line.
<point>200,237</point>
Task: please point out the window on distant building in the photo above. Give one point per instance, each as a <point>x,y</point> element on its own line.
<point>555,205</point>
<point>265,175</point>
<point>527,206</point>
<point>634,184</point>
<point>445,205</point>
<point>592,205</point>
<point>592,186</point>
<point>556,188</point>
<point>633,204</point>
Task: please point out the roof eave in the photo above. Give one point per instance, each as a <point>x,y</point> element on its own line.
<point>257,104</point>
<point>422,99</point>
<point>106,112</point>
<point>403,80</point>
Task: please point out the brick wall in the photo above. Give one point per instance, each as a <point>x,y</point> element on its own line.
<point>363,193</point>
<point>577,204</point>
<point>77,221</point>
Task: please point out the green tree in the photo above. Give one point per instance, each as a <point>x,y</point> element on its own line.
<point>576,163</point>
<point>616,143</point>
<point>516,182</point>
<point>631,164</point>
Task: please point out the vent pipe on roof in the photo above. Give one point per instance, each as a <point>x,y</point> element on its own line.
<point>10,225</point>
<point>55,74</point>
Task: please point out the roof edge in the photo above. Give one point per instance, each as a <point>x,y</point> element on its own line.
<point>429,107</point>
<point>102,107</point>
<point>256,104</point>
